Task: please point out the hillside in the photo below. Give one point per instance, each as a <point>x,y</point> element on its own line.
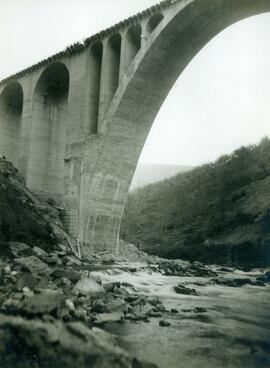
<point>216,213</point>
<point>150,173</point>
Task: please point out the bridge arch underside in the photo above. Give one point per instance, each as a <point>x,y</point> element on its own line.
<point>136,104</point>
<point>11,104</point>
<point>49,121</point>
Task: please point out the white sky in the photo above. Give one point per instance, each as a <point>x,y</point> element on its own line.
<point>220,102</point>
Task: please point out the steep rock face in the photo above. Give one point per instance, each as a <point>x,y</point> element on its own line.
<point>216,213</point>
<point>24,217</point>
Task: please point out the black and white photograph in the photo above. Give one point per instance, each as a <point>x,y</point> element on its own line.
<point>135,184</point>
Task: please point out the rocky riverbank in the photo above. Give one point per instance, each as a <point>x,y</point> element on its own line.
<point>55,309</point>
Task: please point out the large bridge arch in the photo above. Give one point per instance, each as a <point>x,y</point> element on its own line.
<point>139,96</point>
<point>49,121</point>
<point>11,106</point>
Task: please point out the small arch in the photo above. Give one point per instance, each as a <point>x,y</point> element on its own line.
<point>133,43</point>
<point>11,105</point>
<point>154,21</point>
<point>95,63</point>
<point>110,74</point>
<point>114,56</point>
<point>50,103</point>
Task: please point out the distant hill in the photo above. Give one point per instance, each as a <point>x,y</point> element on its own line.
<point>151,173</point>
<point>215,213</point>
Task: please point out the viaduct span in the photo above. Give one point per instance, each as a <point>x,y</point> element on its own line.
<point>75,124</point>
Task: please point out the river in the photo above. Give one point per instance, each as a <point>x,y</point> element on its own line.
<point>221,327</point>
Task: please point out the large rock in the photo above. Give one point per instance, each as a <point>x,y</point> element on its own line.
<point>25,279</point>
<point>40,253</point>
<point>71,275</point>
<point>233,282</point>
<point>34,265</point>
<point>181,289</point>
<point>89,287</point>
<point>44,301</point>
<point>265,277</point>
<point>19,249</point>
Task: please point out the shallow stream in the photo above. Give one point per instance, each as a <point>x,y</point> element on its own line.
<point>233,332</point>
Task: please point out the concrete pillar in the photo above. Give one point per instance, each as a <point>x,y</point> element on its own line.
<point>132,44</point>
<point>110,72</point>
<point>75,136</point>
<point>93,88</point>
<point>49,116</point>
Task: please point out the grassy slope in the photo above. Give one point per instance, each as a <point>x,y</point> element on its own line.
<point>219,212</point>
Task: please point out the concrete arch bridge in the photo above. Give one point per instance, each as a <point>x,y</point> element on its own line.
<point>75,124</point>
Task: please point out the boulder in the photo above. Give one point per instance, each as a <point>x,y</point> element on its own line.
<point>164,323</point>
<point>181,289</point>
<point>265,277</point>
<point>40,253</point>
<point>43,301</point>
<point>19,249</point>
<point>25,279</point>
<point>232,282</point>
<point>34,265</point>
<point>69,274</point>
<point>89,287</point>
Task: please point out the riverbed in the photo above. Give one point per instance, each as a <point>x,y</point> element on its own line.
<point>220,327</point>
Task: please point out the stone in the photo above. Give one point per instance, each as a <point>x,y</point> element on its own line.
<point>112,286</point>
<point>71,261</point>
<point>34,265</point>
<point>265,277</point>
<point>155,314</point>
<point>159,307</point>
<point>19,249</point>
<point>25,279</point>
<point>232,282</point>
<point>70,305</point>
<point>63,282</point>
<point>43,301</point>
<point>153,301</point>
<point>81,313</point>
<point>69,274</point>
<point>7,270</point>
<point>52,259</point>
<point>199,310</point>
<point>98,306</point>
<point>27,292</point>
<point>88,286</point>
<point>40,253</point>
<point>181,289</point>
<point>164,323</point>
<point>115,305</point>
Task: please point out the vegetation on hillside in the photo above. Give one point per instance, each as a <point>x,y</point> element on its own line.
<point>216,213</point>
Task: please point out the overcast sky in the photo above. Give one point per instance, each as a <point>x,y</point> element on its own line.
<point>220,102</point>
